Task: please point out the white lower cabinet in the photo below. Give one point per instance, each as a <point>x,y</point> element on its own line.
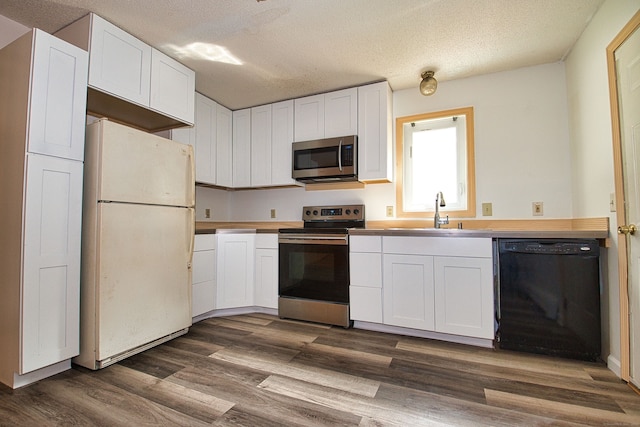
<point>203,274</point>
<point>408,291</point>
<point>435,284</point>
<point>266,272</point>
<point>365,268</point>
<point>464,296</point>
<point>235,265</point>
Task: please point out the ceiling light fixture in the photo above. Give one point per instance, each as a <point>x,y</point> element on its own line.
<point>429,84</point>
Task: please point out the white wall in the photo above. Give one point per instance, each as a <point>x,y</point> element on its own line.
<point>521,140</point>
<point>591,145</point>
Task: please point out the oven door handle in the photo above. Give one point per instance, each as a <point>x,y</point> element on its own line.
<point>315,240</point>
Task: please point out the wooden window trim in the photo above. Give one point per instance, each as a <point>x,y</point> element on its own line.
<point>470,212</point>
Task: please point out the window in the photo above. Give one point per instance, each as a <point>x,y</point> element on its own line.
<point>434,153</point>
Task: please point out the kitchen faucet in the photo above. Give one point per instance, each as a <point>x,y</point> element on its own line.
<point>437,222</point>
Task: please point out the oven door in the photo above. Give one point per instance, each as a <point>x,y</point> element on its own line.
<point>314,267</point>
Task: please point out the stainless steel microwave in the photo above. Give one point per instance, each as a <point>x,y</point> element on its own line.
<point>325,160</point>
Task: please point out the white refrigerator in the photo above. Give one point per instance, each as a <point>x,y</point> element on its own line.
<point>137,242</point>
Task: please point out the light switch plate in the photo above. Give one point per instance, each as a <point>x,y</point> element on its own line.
<point>487,209</point>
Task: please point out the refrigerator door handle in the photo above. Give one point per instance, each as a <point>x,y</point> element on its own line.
<point>192,177</point>
<point>192,232</point>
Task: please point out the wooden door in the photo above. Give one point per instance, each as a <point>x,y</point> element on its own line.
<point>627,58</point>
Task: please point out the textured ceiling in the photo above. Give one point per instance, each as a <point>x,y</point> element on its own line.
<point>290,48</point>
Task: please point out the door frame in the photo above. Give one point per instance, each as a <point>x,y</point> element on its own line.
<point>628,29</point>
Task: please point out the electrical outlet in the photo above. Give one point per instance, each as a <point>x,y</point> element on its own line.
<point>273,213</point>
<point>612,202</point>
<point>207,213</point>
<point>389,210</point>
<point>487,209</point>
<point>537,209</point>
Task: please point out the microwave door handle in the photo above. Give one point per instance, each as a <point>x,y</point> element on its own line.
<point>340,155</point>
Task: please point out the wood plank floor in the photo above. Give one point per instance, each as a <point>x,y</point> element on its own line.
<point>258,370</point>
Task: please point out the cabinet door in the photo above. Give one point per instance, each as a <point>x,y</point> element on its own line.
<point>58,98</point>
<point>224,136</point>
<point>374,132</point>
<point>309,118</point>
<point>205,140</point>
<point>261,146</point>
<point>172,87</point>
<point>119,63</point>
<point>365,304</point>
<point>341,113</point>
<point>203,281</point>
<point>242,148</point>
<point>266,283</point>
<point>235,270</point>
<point>281,140</point>
<point>464,296</point>
<point>408,291</point>
<point>51,275</point>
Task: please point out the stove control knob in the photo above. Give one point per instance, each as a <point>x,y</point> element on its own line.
<point>315,212</point>
<point>348,211</point>
<point>307,213</point>
<point>356,211</point>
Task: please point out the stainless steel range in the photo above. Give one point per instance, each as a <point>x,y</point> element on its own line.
<point>314,265</point>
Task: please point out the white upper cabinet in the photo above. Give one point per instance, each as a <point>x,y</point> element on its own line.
<point>57,98</point>
<point>242,148</point>
<point>326,115</point>
<point>261,146</point>
<point>341,113</point>
<point>125,74</point>
<point>224,143</point>
<point>172,87</point>
<point>205,140</point>
<point>281,140</point>
<point>309,118</point>
<point>119,63</point>
<point>375,142</point>
<point>211,140</point>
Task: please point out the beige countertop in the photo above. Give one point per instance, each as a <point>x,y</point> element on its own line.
<point>578,228</point>
<point>454,232</point>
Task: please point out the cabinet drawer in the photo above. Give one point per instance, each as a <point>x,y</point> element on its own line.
<point>204,242</point>
<point>266,241</point>
<point>365,243</point>
<point>366,269</point>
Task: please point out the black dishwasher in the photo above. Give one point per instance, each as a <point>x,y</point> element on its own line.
<point>548,298</point>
